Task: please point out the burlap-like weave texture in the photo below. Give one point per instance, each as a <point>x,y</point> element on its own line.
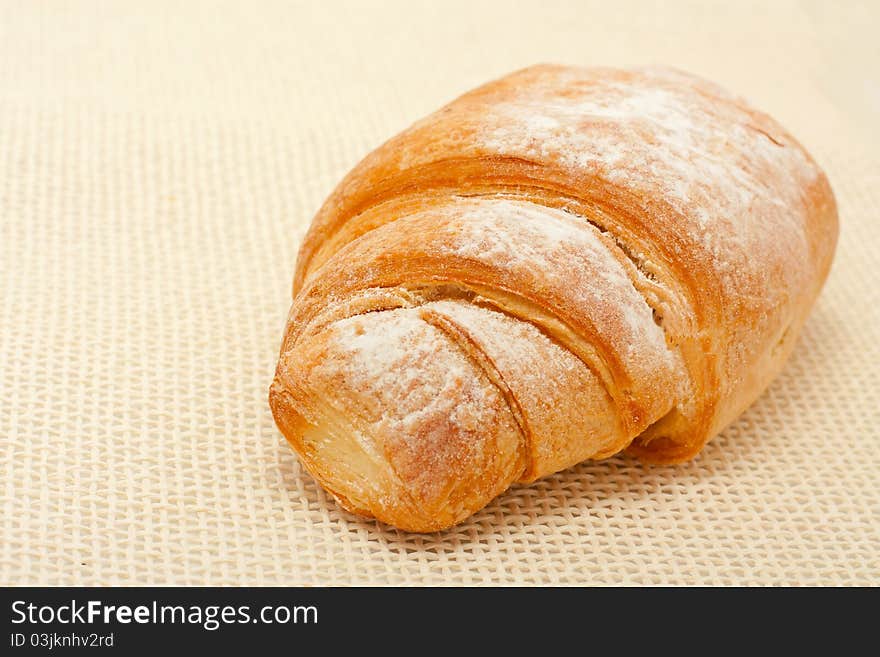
<point>159,163</point>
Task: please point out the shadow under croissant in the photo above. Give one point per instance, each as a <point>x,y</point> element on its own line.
<point>602,487</point>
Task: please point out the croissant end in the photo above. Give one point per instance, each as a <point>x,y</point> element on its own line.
<point>395,420</point>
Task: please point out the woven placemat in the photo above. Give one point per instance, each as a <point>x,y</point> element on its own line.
<point>159,163</point>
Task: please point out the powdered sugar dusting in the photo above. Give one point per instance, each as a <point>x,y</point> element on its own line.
<point>663,133</point>
<point>380,359</point>
<point>564,257</point>
<point>421,395</point>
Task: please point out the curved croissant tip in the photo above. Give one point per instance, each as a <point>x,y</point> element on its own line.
<point>392,418</point>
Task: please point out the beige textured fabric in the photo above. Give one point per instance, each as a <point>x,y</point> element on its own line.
<point>158,165</point>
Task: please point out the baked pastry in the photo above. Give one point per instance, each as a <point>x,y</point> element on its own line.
<point>557,266</point>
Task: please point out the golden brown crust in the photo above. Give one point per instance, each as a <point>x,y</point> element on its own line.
<point>648,243</point>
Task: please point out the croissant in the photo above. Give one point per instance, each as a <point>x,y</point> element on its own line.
<point>557,266</point>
